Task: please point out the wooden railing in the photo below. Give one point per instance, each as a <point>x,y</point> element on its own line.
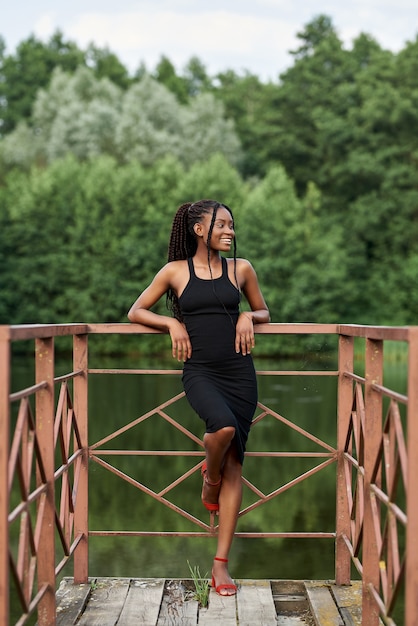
<point>45,453</point>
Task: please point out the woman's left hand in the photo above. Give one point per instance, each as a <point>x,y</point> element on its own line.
<point>244,335</point>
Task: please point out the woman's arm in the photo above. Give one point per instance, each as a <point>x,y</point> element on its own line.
<point>140,313</point>
<point>259,314</point>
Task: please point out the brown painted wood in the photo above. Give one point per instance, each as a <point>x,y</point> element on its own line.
<point>5,412</point>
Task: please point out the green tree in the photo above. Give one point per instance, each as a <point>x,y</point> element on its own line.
<point>215,178</point>
<point>78,113</point>
<point>165,73</point>
<point>369,179</point>
<point>106,64</point>
<point>207,131</point>
<point>306,89</point>
<point>38,211</point>
<point>248,102</point>
<point>313,35</point>
<point>86,116</point>
<point>80,240</point>
<point>196,77</point>
<point>149,125</point>
<point>300,263</point>
<point>30,68</point>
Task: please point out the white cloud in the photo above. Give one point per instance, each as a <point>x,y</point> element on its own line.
<point>221,39</point>
<point>225,34</point>
<point>45,26</point>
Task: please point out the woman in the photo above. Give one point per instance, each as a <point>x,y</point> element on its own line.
<point>214,340</point>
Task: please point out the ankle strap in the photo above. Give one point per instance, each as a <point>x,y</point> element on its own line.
<point>218,558</point>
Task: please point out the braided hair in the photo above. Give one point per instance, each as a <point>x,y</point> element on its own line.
<point>183,239</point>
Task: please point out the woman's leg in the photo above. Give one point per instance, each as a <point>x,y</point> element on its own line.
<point>216,445</point>
<point>230,498</point>
<point>222,458</point>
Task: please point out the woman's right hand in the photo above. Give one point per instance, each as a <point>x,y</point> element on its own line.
<point>180,341</point>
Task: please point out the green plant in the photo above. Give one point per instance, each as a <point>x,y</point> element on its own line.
<point>201,585</point>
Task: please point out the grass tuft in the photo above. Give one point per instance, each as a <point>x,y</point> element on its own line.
<point>201,585</point>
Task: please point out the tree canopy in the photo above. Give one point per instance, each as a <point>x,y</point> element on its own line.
<point>320,169</point>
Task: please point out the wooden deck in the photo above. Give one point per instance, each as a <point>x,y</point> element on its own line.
<point>168,602</point>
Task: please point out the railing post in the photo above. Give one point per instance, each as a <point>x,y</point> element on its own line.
<point>5,354</point>
<point>372,439</point>
<point>411,551</point>
<point>45,414</point>
<point>80,362</point>
<point>345,400</point>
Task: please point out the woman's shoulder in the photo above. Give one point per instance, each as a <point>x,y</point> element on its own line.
<point>172,267</point>
<point>243,271</point>
<point>174,271</point>
<point>242,264</point>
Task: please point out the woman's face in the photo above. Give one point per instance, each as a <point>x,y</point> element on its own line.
<point>223,230</point>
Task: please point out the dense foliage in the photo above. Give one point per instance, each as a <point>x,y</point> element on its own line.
<point>319,168</point>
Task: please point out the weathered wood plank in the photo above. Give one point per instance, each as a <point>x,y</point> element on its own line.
<point>349,600</point>
<point>323,607</point>
<point>142,603</point>
<point>185,614</point>
<point>177,608</point>
<point>71,600</point>
<point>221,611</point>
<point>255,603</point>
<point>106,602</point>
<point>157,602</point>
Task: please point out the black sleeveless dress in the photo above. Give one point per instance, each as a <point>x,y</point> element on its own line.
<point>220,384</point>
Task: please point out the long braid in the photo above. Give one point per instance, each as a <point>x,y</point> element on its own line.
<point>212,222</point>
<point>183,242</point>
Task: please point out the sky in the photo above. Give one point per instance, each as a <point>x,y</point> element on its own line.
<point>242,35</point>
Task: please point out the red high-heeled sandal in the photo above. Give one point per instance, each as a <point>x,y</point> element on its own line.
<point>220,588</point>
<point>209,505</point>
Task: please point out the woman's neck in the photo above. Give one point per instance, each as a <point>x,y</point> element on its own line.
<point>201,257</point>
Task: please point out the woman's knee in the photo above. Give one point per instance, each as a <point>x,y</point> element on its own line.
<point>226,434</point>
<point>222,436</point>
<point>228,431</point>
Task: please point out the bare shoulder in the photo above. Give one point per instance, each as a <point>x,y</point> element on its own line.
<point>244,266</point>
<point>244,262</point>
<point>176,274</point>
<point>243,272</point>
<point>174,267</point>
